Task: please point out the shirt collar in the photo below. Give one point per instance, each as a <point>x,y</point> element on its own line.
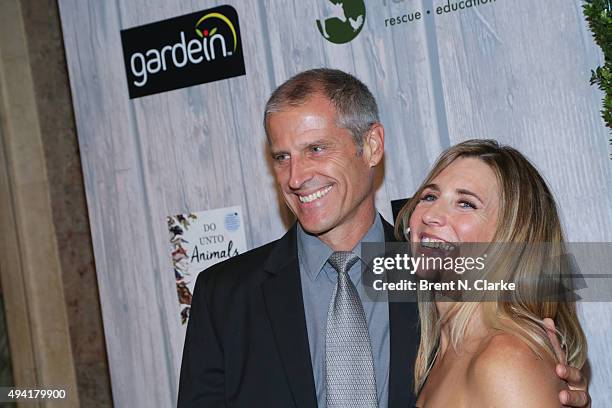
<point>314,253</point>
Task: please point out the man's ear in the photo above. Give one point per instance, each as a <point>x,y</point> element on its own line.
<point>374,144</point>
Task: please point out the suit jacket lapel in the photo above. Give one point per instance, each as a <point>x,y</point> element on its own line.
<point>282,293</point>
<point>404,341</point>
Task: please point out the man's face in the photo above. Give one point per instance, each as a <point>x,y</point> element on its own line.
<point>324,180</point>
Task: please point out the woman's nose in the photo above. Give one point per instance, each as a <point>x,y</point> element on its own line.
<point>436,214</point>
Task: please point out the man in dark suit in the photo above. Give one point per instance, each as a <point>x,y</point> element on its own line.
<point>287,324</point>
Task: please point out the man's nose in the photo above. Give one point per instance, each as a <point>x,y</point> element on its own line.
<point>301,172</point>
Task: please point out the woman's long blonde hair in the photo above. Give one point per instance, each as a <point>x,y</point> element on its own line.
<point>527,215</point>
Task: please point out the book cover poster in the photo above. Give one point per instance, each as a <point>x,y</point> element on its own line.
<point>199,240</point>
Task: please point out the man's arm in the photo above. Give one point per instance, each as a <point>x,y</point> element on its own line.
<point>202,382</point>
<point>578,395</point>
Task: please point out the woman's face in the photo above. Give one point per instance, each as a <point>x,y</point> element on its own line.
<point>460,205</point>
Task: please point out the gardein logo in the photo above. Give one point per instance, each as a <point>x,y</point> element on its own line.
<point>342,20</point>
<point>205,34</point>
<point>184,51</point>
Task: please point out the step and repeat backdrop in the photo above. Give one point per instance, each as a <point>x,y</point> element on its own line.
<point>169,96</point>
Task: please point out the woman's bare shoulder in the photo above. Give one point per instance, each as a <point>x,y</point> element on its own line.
<point>507,373</point>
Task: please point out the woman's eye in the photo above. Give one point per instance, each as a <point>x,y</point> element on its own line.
<point>428,197</point>
<point>467,204</point>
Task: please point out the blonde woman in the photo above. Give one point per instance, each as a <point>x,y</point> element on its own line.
<point>494,353</point>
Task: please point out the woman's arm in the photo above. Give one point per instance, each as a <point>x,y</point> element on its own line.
<point>508,374</point>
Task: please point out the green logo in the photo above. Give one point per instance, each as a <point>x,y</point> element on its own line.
<point>342,21</point>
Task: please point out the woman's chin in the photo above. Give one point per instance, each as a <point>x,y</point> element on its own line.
<point>430,275</point>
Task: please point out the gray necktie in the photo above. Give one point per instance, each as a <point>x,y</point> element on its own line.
<point>349,369</point>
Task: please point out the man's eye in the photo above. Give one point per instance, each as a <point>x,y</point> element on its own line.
<point>317,149</point>
<point>281,157</point>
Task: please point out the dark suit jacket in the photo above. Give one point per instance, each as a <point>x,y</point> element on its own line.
<point>247,344</point>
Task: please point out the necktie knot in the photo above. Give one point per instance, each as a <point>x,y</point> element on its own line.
<point>342,261</point>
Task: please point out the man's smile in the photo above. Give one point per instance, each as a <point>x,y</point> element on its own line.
<point>314,196</point>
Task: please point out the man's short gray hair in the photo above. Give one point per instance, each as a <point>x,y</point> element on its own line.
<point>355,106</point>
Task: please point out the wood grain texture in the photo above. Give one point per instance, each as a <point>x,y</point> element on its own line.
<point>515,71</point>
<point>137,338</point>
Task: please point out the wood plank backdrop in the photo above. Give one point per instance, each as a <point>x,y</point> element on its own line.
<point>516,71</point>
